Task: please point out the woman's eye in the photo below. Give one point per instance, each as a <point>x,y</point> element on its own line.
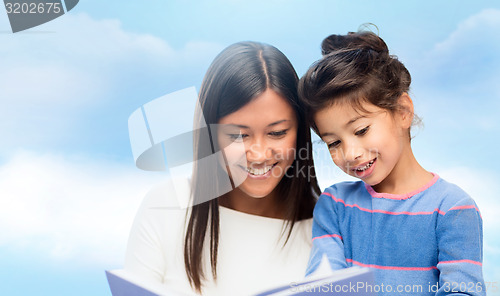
<point>333,144</point>
<point>236,137</point>
<point>278,133</point>
<point>362,131</point>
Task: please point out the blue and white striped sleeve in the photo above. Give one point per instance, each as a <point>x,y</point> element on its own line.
<point>326,237</point>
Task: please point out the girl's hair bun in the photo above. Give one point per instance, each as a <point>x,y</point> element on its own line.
<point>355,67</point>
<point>353,41</point>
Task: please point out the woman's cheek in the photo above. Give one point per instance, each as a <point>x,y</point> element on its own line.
<point>287,150</point>
<point>232,159</point>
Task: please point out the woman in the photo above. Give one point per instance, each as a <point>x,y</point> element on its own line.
<point>257,235</point>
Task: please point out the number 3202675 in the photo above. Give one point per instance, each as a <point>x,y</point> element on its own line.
<point>33,8</point>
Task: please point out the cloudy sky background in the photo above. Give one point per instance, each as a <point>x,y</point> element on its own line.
<point>69,189</point>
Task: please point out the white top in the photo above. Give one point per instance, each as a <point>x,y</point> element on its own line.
<point>251,255</point>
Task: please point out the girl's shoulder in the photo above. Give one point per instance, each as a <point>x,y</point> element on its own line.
<point>450,195</point>
<point>343,194</point>
<point>345,189</point>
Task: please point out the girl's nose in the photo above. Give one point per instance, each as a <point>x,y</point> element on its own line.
<point>352,153</point>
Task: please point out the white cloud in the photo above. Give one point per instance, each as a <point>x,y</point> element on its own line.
<point>49,80</point>
<point>467,61</point>
<point>68,209</point>
<point>65,208</point>
<point>78,52</point>
<point>78,47</point>
<point>455,88</point>
<point>475,30</point>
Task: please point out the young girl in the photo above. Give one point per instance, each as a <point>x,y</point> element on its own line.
<point>421,234</point>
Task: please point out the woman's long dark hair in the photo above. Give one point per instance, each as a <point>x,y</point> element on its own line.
<point>240,73</point>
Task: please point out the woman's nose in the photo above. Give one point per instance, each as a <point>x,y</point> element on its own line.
<point>258,151</point>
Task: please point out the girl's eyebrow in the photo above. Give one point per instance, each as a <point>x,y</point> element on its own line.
<point>325,134</point>
<point>354,120</point>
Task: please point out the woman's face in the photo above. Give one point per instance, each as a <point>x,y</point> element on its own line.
<point>259,143</point>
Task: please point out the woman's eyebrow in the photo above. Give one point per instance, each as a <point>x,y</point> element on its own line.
<point>235,125</point>
<point>244,126</point>
<point>278,122</point>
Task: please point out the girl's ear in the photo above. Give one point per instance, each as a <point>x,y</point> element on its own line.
<point>406,110</point>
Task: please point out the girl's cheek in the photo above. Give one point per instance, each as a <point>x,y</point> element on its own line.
<point>337,160</point>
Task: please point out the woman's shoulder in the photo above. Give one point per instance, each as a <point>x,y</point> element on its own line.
<point>160,214</point>
<point>154,249</point>
<point>172,193</point>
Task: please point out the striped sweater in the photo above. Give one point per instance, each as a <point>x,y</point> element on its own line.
<point>427,242</point>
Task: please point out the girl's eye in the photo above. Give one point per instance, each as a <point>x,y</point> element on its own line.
<point>278,133</point>
<point>333,144</point>
<point>362,131</point>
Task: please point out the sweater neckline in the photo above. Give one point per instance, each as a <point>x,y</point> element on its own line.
<point>375,194</point>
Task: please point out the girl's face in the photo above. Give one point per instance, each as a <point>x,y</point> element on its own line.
<point>366,145</point>
<point>259,142</point>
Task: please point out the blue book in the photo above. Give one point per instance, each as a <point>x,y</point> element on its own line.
<point>123,284</point>
<point>355,280</point>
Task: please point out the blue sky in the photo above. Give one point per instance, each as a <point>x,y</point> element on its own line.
<point>68,185</point>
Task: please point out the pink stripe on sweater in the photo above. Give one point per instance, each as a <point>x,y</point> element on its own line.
<point>382,211</point>
<point>464,208</point>
<point>327,235</point>
<point>462,261</point>
<point>401,196</point>
<point>391,267</point>
<point>412,268</point>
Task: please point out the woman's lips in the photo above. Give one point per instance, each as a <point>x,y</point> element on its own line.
<point>259,173</point>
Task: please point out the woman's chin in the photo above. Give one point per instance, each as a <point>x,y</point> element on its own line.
<point>256,191</point>
<point>254,194</point>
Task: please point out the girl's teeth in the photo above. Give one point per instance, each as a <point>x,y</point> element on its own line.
<point>366,166</point>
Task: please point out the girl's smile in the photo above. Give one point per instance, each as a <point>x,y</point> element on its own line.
<point>365,169</point>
